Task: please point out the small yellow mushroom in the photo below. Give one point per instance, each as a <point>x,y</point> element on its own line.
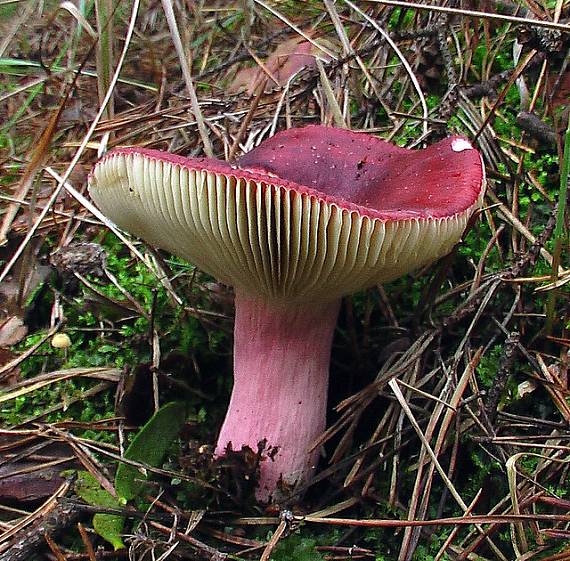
<point>61,341</point>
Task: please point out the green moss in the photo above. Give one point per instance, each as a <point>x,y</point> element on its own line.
<point>296,547</point>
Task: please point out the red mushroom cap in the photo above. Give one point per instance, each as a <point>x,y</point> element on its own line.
<point>310,214</point>
<point>441,180</point>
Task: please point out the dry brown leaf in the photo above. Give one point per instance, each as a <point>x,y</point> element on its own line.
<point>12,331</point>
<point>561,97</point>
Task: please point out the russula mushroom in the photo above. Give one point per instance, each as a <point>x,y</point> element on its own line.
<point>308,216</point>
<point>283,63</point>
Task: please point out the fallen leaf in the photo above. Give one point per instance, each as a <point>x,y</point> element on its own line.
<point>12,331</point>
<point>525,388</point>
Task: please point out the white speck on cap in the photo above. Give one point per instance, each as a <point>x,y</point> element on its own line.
<point>460,144</point>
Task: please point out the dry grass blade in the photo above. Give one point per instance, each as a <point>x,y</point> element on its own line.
<point>474,13</point>
<point>556,387</point>
<point>519,226</point>
<point>455,531</point>
<point>81,20</point>
<point>403,60</point>
<point>521,540</point>
<point>391,523</point>
<point>562,281</point>
<point>29,352</point>
<point>277,535</point>
<point>86,542</point>
<point>184,65</point>
<point>18,21</point>
<point>55,549</point>
<point>40,155</point>
<point>257,97</point>
<point>517,72</point>
<point>197,544</point>
<point>104,12</point>
<point>401,399</point>
<point>295,28</point>
<point>424,490</point>
<point>331,99</point>
<point>33,517</point>
<point>79,151</point>
<point>30,386</point>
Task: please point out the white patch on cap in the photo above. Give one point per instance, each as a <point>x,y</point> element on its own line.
<point>460,144</point>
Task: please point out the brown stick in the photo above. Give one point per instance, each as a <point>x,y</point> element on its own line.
<point>29,541</point>
<point>537,128</point>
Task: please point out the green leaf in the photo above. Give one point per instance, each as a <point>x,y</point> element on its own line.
<point>90,490</point>
<point>108,526</point>
<point>149,447</point>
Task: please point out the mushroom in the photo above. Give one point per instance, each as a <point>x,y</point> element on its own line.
<point>310,215</point>
<point>289,58</point>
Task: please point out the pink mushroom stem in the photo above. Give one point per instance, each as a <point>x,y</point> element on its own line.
<point>281,371</point>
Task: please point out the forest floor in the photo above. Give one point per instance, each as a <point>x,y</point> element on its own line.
<point>449,413</point>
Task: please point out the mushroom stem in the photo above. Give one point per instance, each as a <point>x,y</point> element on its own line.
<point>281,371</point>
